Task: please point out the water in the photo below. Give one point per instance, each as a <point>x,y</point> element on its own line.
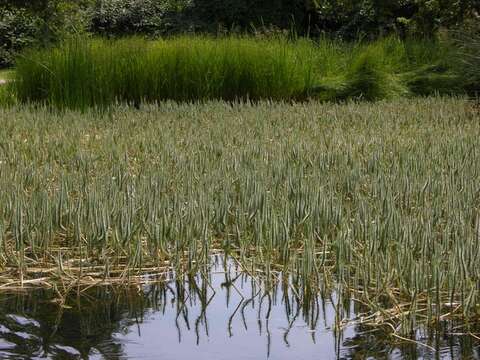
<point>228,316</point>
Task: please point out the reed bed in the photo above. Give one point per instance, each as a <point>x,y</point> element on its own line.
<point>379,200</point>
<point>83,73</point>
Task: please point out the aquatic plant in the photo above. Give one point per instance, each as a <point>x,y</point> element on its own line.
<point>379,200</point>
<point>198,310</point>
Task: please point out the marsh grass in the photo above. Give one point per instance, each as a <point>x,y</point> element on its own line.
<point>7,95</point>
<point>370,79</point>
<point>83,73</point>
<point>467,41</point>
<point>6,74</point>
<point>100,72</point>
<point>377,200</point>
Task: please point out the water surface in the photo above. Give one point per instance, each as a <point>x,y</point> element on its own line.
<point>222,315</point>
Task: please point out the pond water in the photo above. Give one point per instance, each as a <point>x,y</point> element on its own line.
<point>228,316</point>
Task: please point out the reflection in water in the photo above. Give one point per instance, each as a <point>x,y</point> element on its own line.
<point>225,314</point>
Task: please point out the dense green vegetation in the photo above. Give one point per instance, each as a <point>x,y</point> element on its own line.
<point>82,72</point>
<point>7,96</point>
<point>86,73</point>
<point>380,197</point>
<point>6,74</point>
<point>468,43</point>
<point>25,23</point>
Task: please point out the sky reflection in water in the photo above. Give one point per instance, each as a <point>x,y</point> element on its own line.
<point>230,316</point>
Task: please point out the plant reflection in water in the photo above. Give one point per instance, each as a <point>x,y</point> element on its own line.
<point>221,312</point>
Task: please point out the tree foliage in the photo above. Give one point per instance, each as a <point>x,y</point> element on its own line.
<point>345,18</point>
<point>18,29</point>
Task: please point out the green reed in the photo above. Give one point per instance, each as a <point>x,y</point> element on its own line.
<point>83,73</point>
<point>380,198</point>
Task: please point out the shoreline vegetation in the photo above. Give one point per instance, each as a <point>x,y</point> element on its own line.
<point>376,201</point>
<point>84,72</point>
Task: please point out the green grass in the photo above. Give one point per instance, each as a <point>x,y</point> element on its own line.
<point>6,74</point>
<point>380,199</point>
<point>7,93</point>
<point>468,42</point>
<point>99,72</point>
<point>84,73</point>
<point>370,79</point>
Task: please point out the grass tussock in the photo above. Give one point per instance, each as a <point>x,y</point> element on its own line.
<point>84,73</point>
<point>101,72</point>
<point>468,42</point>
<point>380,199</point>
<point>7,95</point>
<point>368,78</point>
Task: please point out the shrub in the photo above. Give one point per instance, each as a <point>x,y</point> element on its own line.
<point>25,24</point>
<point>351,19</point>
<point>18,29</point>
<point>127,17</point>
<point>251,14</point>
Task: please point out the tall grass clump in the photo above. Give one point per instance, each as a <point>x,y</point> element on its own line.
<point>370,78</point>
<point>429,67</point>
<point>467,40</point>
<point>83,73</point>
<point>384,69</point>
<point>7,95</point>
<point>4,98</point>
